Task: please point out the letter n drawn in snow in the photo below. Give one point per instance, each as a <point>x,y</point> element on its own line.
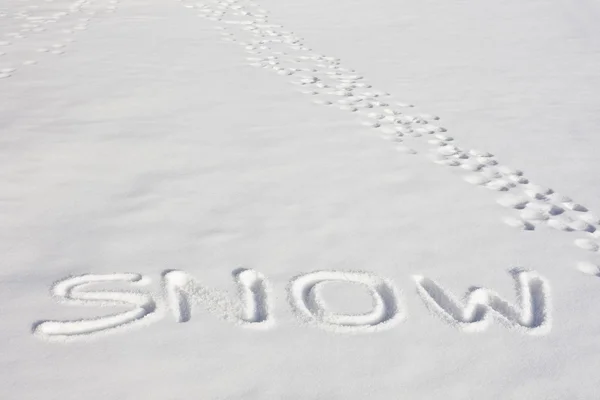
<point>250,309</point>
<point>480,305</point>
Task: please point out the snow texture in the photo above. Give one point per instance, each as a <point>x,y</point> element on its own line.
<point>309,199</point>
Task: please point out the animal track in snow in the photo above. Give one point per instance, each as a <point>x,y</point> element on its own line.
<point>589,268</point>
<point>29,33</point>
<point>329,83</point>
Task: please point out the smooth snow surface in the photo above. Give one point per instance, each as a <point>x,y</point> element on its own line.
<point>299,199</point>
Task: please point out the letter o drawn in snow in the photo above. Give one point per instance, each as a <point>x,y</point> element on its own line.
<point>305,297</point>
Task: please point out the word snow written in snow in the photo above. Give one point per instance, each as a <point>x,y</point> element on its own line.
<point>251,306</point>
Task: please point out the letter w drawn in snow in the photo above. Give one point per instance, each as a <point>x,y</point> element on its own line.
<point>475,312</point>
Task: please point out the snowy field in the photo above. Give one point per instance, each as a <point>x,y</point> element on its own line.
<point>299,199</point>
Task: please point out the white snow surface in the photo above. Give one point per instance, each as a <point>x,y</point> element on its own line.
<point>299,199</point>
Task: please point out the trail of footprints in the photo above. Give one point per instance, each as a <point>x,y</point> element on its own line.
<point>330,84</point>
<point>32,30</point>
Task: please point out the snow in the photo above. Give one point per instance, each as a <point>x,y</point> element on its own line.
<point>299,200</point>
